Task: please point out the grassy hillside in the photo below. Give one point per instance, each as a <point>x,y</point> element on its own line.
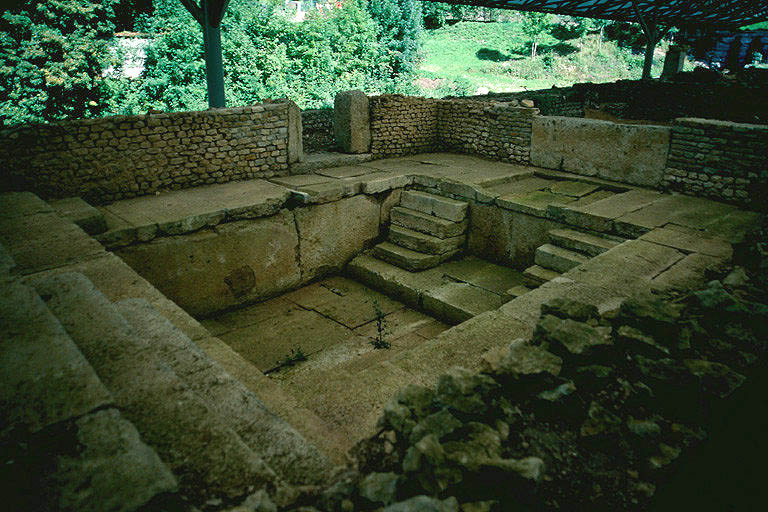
<point>461,58</point>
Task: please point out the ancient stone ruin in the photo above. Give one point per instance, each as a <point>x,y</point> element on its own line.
<point>542,301</point>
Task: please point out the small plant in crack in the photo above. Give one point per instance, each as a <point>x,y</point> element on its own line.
<point>296,355</point>
<point>382,331</point>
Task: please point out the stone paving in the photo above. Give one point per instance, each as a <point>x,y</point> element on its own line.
<point>331,321</point>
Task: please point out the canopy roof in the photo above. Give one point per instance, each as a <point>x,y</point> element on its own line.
<point>667,12</point>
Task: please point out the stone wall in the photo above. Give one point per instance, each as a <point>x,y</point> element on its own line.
<point>108,159</point>
<point>493,130</point>
<point>697,94</point>
<point>720,160</point>
<point>239,262</point>
<point>627,153</point>
<point>704,94</point>
<point>318,130</point>
<point>403,125</point>
<point>550,102</point>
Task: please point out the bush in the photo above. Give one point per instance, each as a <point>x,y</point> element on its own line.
<point>52,54</point>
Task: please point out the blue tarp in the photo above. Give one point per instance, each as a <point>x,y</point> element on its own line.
<point>730,13</point>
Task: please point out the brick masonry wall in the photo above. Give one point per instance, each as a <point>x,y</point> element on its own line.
<point>402,125</point>
<point>317,128</point>
<point>108,159</point>
<point>493,130</point>
<point>720,160</point>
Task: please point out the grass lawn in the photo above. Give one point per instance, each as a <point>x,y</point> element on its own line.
<point>461,58</point>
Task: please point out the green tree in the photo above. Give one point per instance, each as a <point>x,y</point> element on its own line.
<point>401,24</point>
<point>534,25</point>
<point>265,56</point>
<point>52,57</point>
<point>598,26</point>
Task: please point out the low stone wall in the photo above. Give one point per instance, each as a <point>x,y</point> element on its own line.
<point>108,159</point>
<point>720,160</point>
<point>550,102</point>
<point>492,130</point>
<point>403,125</point>
<point>317,128</point>
<point>697,94</point>
<point>634,154</point>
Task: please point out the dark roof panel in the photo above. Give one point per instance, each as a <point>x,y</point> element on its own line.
<point>670,12</point>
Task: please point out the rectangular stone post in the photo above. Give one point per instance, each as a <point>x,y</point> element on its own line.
<point>295,143</point>
<point>674,61</point>
<point>351,122</point>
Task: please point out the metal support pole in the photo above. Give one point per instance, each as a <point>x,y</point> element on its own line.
<point>214,70</point>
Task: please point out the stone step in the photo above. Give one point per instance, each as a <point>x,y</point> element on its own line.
<point>395,282</point>
<point>438,206</point>
<point>209,459</point>
<point>274,440</point>
<point>422,242</point>
<point>327,159</point>
<point>517,291</point>
<point>407,259</point>
<point>536,276</point>
<point>425,223</point>
<point>75,209</point>
<point>430,291</point>
<point>454,303</point>
<point>581,242</point>
<point>558,259</point>
<point>95,458</point>
<point>332,442</point>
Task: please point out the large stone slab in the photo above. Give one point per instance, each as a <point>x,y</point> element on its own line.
<point>626,268</point>
<point>295,142</point>
<point>458,302</point>
<point>76,210</point>
<point>343,300</point>
<point>332,234</point>
<point>428,224</point>
<point>44,240</point>
<point>17,204</point>
<point>44,378</point>
<point>267,344</point>
<point>394,281</point>
<point>236,263</point>
<point>635,154</point>
<point>351,122</point>
<point>431,204</point>
<point>93,463</point>
<point>421,242</point>
<point>208,458</point>
<point>117,281</point>
<point>266,434</point>
<point>482,274</point>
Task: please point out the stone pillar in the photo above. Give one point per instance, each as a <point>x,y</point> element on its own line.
<point>674,61</point>
<point>295,133</point>
<point>351,122</point>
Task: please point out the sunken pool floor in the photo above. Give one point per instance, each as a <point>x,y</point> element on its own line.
<point>331,322</point>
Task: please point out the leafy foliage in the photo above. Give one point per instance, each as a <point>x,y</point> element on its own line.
<point>534,25</point>
<point>267,56</point>
<point>401,23</point>
<point>51,58</point>
<point>466,56</point>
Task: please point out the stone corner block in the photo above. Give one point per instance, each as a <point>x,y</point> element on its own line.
<point>351,122</point>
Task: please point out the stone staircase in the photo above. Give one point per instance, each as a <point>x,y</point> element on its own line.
<point>110,406</point>
<point>425,230</point>
<point>566,249</point>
